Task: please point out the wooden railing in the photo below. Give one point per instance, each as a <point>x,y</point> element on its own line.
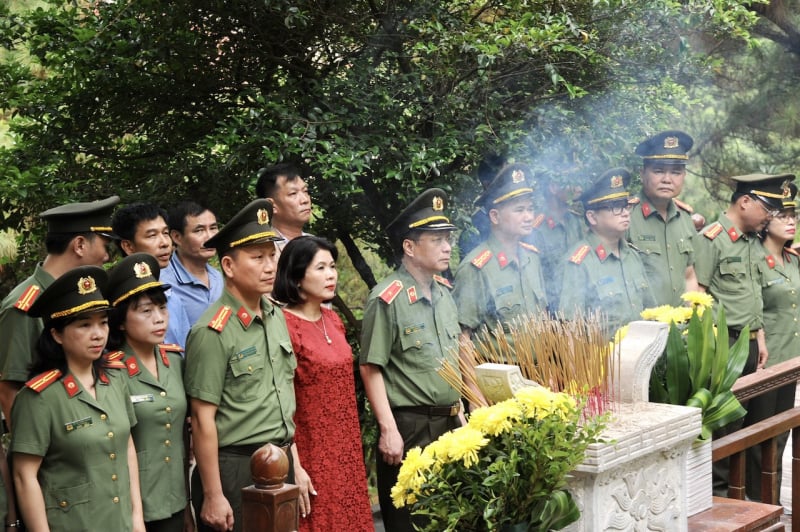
<point>763,433</point>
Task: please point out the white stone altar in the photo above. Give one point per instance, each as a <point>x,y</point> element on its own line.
<point>637,480</point>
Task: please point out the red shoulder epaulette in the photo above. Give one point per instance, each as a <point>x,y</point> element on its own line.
<point>529,247</point>
<point>791,251</point>
<point>538,220</point>
<point>713,231</point>
<point>43,380</point>
<point>391,291</point>
<point>114,355</point>
<point>481,260</point>
<point>685,206</point>
<point>168,348</point>
<point>27,298</point>
<point>220,319</point>
<point>580,254</point>
<point>443,280</point>
<point>634,200</point>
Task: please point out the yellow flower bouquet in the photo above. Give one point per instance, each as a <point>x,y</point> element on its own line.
<point>507,467</point>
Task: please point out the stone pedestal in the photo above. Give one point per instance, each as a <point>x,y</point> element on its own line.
<point>637,481</point>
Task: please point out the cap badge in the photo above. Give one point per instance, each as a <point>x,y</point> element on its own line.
<point>438,203</point>
<point>670,143</point>
<point>142,270</point>
<point>86,285</point>
<point>616,181</point>
<point>786,191</point>
<point>517,176</point>
<point>262,216</point>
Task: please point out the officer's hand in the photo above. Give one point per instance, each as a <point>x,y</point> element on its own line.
<point>303,481</point>
<point>217,513</point>
<point>390,445</point>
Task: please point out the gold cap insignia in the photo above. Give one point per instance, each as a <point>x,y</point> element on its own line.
<point>262,217</point>
<point>671,142</point>
<point>616,181</point>
<point>517,176</point>
<point>786,191</point>
<point>438,203</point>
<point>142,270</point>
<point>86,285</point>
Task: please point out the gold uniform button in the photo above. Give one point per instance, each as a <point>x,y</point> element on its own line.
<point>63,504</point>
<point>166,459</point>
<point>110,434</point>
<point>418,343</point>
<point>113,456</point>
<point>168,426</point>
<point>163,394</point>
<point>167,443</point>
<point>115,500</point>
<point>114,477</point>
<point>103,417</point>
<point>250,369</point>
<point>168,409</point>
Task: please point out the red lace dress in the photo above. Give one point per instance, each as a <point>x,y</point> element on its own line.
<point>328,437</point>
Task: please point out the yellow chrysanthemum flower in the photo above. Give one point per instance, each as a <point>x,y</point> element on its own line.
<point>656,313</point>
<point>465,444</point>
<point>493,420</point>
<point>698,299</point>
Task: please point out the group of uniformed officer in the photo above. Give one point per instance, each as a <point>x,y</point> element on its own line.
<point>620,256</point>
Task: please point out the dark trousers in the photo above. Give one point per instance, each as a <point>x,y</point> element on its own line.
<point>234,473</point>
<point>720,468</point>
<point>758,409</point>
<point>173,523</point>
<point>417,430</point>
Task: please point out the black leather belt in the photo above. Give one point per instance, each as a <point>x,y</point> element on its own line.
<point>248,450</point>
<point>735,333</point>
<point>449,410</point>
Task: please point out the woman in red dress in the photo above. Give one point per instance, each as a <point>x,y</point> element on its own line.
<point>332,477</point>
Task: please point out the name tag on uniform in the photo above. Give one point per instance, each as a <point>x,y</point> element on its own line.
<point>647,238</point>
<point>78,424</point>
<point>144,398</point>
<point>605,280</point>
<point>504,290</point>
<point>732,259</point>
<point>779,280</point>
<point>411,329</point>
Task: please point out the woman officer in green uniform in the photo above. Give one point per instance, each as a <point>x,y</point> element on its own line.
<point>138,324</point>
<point>73,457</point>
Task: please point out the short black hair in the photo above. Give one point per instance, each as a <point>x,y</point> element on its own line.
<point>178,214</point>
<point>292,265</point>
<point>57,243</point>
<point>117,315</point>
<point>268,176</point>
<point>127,219</point>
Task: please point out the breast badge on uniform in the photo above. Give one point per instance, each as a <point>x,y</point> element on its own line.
<point>220,319</point>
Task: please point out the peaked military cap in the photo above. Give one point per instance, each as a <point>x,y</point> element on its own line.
<point>78,291</point>
<point>249,226</point>
<point>426,212</point>
<point>612,185</point>
<point>512,181</point>
<point>134,274</point>
<point>769,188</point>
<point>668,146</point>
<point>82,217</point>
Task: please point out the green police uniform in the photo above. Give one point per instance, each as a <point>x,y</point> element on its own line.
<point>553,239</point>
<point>728,262</point>
<point>492,289</point>
<point>408,336</point>
<point>665,247</point>
<point>242,362</point>
<point>21,331</point>
<point>160,406</point>
<point>83,443</point>
<point>597,280</point>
